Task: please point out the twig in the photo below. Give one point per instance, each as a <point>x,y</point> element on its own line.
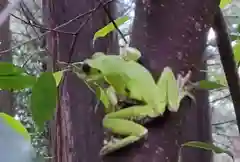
<point>19,45</point>
<point>27,60</point>
<point>114,24</point>
<point>26,13</point>
<point>224,122</point>
<point>75,36</point>
<point>221,98</point>
<point>62,25</point>
<point>41,27</point>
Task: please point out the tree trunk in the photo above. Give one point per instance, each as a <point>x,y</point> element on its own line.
<point>173,33</point>
<point>77,135</point>
<point>6,98</point>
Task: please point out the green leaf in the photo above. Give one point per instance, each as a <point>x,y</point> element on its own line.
<point>10,69</point>
<point>209,85</point>
<point>110,27</point>
<point>15,141</point>
<point>223,3</point>
<point>16,82</point>
<point>43,99</point>
<point>221,79</point>
<point>207,146</point>
<point>236,50</point>
<point>16,125</point>
<point>58,77</point>
<point>13,78</point>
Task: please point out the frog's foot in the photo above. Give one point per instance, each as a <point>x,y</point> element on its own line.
<point>133,131</point>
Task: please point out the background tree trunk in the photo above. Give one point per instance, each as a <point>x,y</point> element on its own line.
<point>6,97</point>
<point>173,33</point>
<point>78,133</point>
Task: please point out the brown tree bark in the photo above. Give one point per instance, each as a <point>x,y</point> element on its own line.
<point>6,97</point>
<point>173,33</point>
<point>77,134</point>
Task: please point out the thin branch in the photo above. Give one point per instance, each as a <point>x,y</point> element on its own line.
<point>21,34</point>
<point>26,13</point>
<point>220,98</point>
<point>112,21</point>
<point>29,58</point>
<point>19,45</point>
<point>62,25</point>
<point>224,122</point>
<point>40,26</point>
<point>75,36</point>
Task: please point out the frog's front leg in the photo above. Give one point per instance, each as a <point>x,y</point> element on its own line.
<point>121,123</point>
<point>184,86</point>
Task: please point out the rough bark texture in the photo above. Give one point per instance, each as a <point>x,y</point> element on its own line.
<point>6,98</point>
<point>78,133</point>
<point>173,33</point>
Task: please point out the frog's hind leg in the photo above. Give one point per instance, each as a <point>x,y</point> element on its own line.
<point>131,130</point>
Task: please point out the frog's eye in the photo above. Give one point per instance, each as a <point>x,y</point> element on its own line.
<point>127,90</point>
<point>86,68</point>
<point>140,61</point>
